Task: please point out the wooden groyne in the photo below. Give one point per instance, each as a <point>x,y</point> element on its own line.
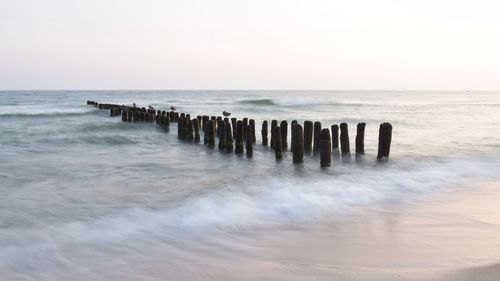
<point>237,136</point>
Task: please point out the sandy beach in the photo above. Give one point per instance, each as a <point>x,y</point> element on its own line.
<point>453,236</point>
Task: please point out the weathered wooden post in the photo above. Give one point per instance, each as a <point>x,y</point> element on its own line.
<point>222,135</point>
<point>238,148</point>
<point>317,133</point>
<point>183,115</point>
<point>179,128</point>
<point>196,128</point>
<point>233,124</point>
<point>200,120</point>
<point>249,141</point>
<point>325,148</point>
<point>384,140</point>
<point>130,116</point>
<point>166,120</point>
<point>297,143</point>
<point>229,137</point>
<point>218,123</point>
<point>124,116</point>
<point>252,130</point>
<point>205,121</point>
<point>335,139</point>
<point>245,124</point>
<point>189,131</point>
<point>264,133</point>
<point>360,138</point>
<point>284,134</point>
<point>211,133</point>
<point>274,123</point>
<point>344,139</point>
<point>308,135</point>
<point>294,122</point>
<point>278,152</point>
<point>176,116</point>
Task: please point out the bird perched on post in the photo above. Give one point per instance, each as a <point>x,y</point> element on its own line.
<point>226,114</point>
<point>173,108</point>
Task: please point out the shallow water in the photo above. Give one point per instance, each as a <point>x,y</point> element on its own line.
<point>84,196</point>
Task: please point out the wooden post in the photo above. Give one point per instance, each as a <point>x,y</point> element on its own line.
<point>229,137</point>
<point>264,133</point>
<point>252,130</point>
<point>189,131</point>
<point>205,121</point>
<point>233,124</point>
<point>245,124</point>
<point>176,116</point>
<point>325,148</point>
<point>179,128</point>
<point>360,138</point>
<point>344,139</point>
<point>284,134</point>
<point>249,141</point>
<point>211,133</point>
<point>278,152</point>
<point>196,128</point>
<point>124,116</point>
<point>335,139</point>
<point>218,123</point>
<point>200,120</point>
<point>384,140</point>
<point>274,123</point>
<point>130,116</point>
<point>238,148</point>
<point>317,133</point>
<point>297,143</point>
<point>222,135</point>
<point>308,135</point>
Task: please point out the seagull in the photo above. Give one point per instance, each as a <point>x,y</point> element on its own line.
<point>226,114</point>
<point>173,108</point>
<point>151,107</point>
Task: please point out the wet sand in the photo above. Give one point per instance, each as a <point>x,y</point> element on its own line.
<point>454,236</point>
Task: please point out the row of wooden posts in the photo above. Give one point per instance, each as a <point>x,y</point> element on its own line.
<point>239,135</point>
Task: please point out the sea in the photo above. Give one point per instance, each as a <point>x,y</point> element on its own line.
<point>85,196</point>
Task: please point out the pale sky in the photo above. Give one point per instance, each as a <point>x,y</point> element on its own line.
<point>253,44</point>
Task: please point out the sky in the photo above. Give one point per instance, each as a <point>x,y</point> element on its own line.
<point>253,44</point>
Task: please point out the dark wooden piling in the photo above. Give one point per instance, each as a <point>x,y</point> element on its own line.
<point>130,116</point>
<point>245,124</point>
<point>297,143</point>
<point>228,135</point>
<point>284,134</point>
<point>251,123</point>
<point>233,124</point>
<point>308,135</point>
<point>264,133</point>
<point>200,120</point>
<point>124,116</point>
<point>179,128</point>
<point>325,148</point>
<point>249,141</point>
<point>218,123</point>
<point>190,129</point>
<point>317,133</point>
<point>360,138</point>
<point>335,139</point>
<point>238,148</point>
<point>196,128</point>
<point>176,116</point>
<point>183,115</point>
<point>344,139</point>
<point>274,123</point>
<point>278,152</point>
<point>210,131</point>
<point>221,135</point>
<point>205,121</point>
<point>384,140</point>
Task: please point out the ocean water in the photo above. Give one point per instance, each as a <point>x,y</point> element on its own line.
<point>84,196</point>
